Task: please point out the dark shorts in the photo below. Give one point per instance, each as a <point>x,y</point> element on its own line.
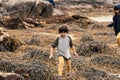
<point>65,58</point>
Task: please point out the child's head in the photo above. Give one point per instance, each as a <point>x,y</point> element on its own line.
<point>63,30</point>
<point>117,9</point>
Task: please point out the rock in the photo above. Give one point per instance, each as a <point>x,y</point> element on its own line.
<point>59,19</point>
<point>77,63</point>
<point>94,74</point>
<point>10,44</point>
<point>35,23</point>
<point>1,23</point>
<point>7,43</point>
<point>57,12</point>
<point>18,23</point>
<point>34,40</point>
<point>89,47</point>
<point>14,23</point>
<point>108,61</point>
<point>86,38</point>
<point>79,17</point>
<point>3,33</point>
<point>84,22</point>
<point>34,70</point>
<point>6,66</point>
<point>36,54</point>
<point>2,78</point>
<point>30,9</point>
<point>95,26</point>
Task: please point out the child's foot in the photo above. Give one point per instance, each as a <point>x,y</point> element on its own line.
<point>68,74</point>
<point>59,77</point>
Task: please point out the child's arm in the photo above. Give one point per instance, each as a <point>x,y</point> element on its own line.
<point>74,51</point>
<point>52,50</point>
<point>72,47</point>
<point>111,25</point>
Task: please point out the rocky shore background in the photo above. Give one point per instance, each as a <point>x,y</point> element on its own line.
<point>27,29</point>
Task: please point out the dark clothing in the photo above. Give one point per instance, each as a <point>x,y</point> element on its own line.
<point>52,2</point>
<point>116,22</point>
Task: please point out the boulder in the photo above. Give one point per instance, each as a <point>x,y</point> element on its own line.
<point>29,8</point>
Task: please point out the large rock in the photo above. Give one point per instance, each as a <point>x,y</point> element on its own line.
<point>29,9</point>
<point>10,76</point>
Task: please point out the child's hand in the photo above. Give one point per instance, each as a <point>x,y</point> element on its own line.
<point>51,57</point>
<point>76,55</point>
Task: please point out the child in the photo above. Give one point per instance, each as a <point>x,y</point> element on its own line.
<point>116,22</point>
<point>63,44</point>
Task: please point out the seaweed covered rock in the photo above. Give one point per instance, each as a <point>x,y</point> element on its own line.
<point>14,23</point>
<point>34,40</point>
<point>35,70</point>
<point>94,74</point>
<point>8,43</point>
<point>86,38</point>
<point>6,66</point>
<point>88,46</point>
<point>77,63</point>
<point>108,61</point>
<point>36,54</point>
<point>10,76</point>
